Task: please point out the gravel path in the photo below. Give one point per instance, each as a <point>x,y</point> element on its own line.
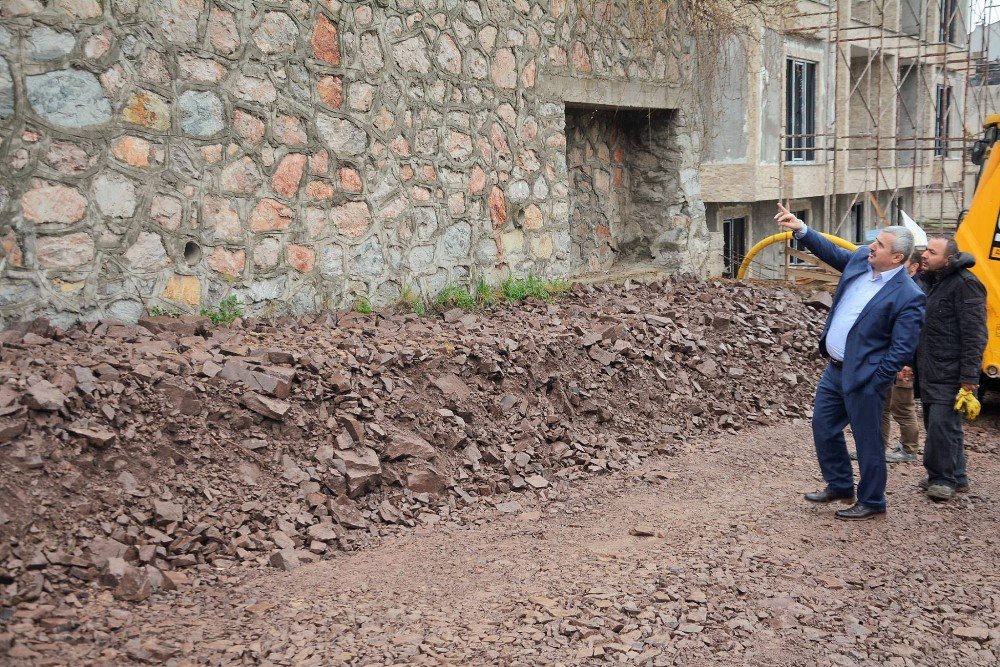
<point>729,567</point>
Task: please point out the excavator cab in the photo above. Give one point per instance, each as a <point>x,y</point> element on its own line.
<point>979,235</point>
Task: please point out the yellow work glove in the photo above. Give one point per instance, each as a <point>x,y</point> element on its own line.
<point>967,403</point>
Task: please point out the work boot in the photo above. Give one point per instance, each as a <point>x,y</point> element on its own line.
<point>899,455</point>
<point>924,483</point>
<point>941,492</point>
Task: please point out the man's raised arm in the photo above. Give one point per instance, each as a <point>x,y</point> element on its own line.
<point>834,256</point>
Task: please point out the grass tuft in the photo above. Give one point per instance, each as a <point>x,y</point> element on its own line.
<point>363,305</point>
<point>229,310</point>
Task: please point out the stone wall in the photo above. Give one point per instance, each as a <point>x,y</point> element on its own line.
<point>634,190</point>
<point>302,153</point>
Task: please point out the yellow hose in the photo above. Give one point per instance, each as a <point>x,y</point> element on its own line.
<point>784,236</point>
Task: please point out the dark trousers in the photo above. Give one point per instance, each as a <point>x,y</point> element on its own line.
<point>944,448</point>
<point>833,411</point>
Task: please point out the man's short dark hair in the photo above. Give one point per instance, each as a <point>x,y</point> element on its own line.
<point>950,246</point>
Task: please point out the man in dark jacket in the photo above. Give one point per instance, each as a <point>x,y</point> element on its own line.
<point>949,357</point>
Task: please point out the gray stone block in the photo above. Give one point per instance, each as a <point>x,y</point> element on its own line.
<point>126,310</point>
<point>342,136</point>
<point>201,114</point>
<point>6,91</point>
<point>331,261</point>
<point>368,260</point>
<point>68,98</point>
<point>456,241</point>
<point>518,192</point>
<point>44,43</point>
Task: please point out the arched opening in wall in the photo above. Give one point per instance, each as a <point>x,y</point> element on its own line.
<point>192,253</point>
<point>625,195</point>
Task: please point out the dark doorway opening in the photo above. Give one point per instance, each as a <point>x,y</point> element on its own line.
<point>734,244</point>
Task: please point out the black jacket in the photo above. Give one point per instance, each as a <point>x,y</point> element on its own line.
<point>954,336</point>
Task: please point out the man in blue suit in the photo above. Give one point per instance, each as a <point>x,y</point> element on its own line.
<point>871,333</point>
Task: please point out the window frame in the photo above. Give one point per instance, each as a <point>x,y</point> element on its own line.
<point>800,114</point>
<point>858,222</point>
<point>947,16</point>
<point>731,260</point>
<point>943,101</point>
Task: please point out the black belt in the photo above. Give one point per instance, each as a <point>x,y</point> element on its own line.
<point>836,364</point>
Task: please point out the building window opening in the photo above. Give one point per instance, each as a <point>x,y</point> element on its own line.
<point>858,222</point>
<point>942,121</point>
<point>800,110</point>
<point>734,244</point>
<point>949,16</point>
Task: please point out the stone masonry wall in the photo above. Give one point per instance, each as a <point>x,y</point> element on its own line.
<point>631,178</point>
<point>296,153</point>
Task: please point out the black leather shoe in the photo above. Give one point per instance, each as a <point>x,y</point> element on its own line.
<point>858,512</point>
<point>826,496</point>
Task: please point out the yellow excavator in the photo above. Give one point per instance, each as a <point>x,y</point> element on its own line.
<point>978,234</point>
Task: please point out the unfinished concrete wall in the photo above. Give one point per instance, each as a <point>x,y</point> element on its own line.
<point>872,110</point>
<point>724,99</point>
<point>170,153</point>
<point>910,17</point>
<point>909,122</point>
<point>772,89</point>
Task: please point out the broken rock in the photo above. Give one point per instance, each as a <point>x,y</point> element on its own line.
<point>286,560</point>
<point>403,444</point>
<point>134,586</point>
<point>43,395</point>
<point>426,480</point>
<point>272,408</point>
<point>99,437</point>
<point>452,387</point>
<point>361,466</point>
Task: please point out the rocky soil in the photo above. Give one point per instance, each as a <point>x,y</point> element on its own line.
<point>706,557</point>
<point>613,477</point>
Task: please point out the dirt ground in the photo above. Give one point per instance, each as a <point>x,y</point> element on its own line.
<point>729,566</point>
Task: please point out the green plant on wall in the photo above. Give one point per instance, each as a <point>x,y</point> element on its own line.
<point>410,300</point>
<point>363,305</point>
<point>228,311</point>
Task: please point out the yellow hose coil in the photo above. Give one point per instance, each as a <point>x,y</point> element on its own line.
<point>779,238</point>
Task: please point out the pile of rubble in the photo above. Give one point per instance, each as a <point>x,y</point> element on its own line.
<point>134,452</point>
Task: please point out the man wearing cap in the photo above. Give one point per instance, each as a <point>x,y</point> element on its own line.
<point>870,335</point>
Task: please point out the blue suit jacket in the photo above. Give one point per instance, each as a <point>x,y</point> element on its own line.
<point>885,335</point>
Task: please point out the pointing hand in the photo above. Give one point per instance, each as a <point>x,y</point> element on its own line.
<point>787,219</point>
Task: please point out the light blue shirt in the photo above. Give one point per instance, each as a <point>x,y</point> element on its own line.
<point>857,293</point>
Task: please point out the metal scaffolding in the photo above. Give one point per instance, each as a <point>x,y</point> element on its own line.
<point>868,48</point>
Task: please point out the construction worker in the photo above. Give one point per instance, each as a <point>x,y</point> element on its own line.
<point>901,405</point>
<point>949,357</point>
<point>870,334</point>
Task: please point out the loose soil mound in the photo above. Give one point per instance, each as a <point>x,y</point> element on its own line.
<point>133,452</point>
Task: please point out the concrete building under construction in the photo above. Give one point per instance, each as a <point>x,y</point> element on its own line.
<point>851,112</point>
